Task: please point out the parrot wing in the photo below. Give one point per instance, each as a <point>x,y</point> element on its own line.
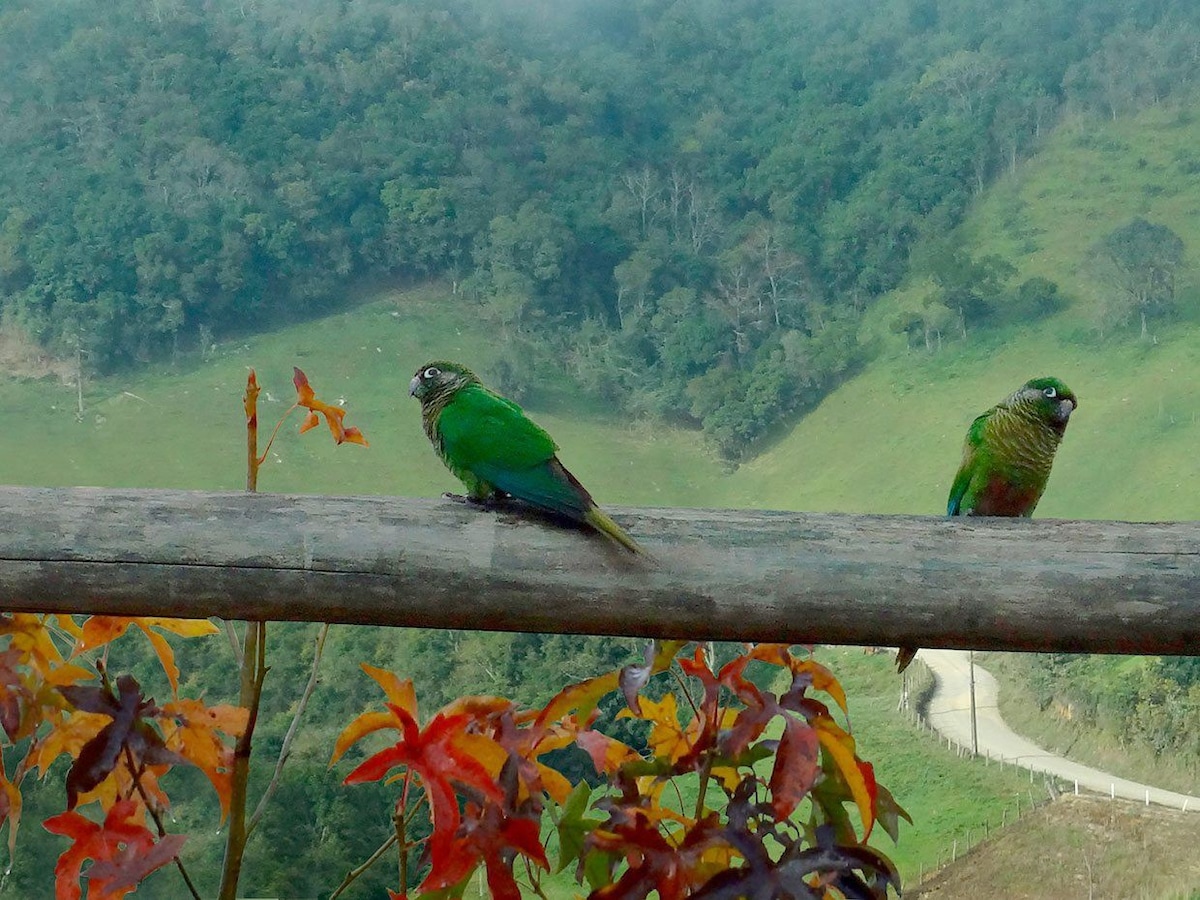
<point>493,438</point>
<point>970,461</point>
<point>479,427</point>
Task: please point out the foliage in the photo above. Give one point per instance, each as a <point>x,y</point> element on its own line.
<point>786,833</point>
<point>174,175</point>
<point>1138,263</point>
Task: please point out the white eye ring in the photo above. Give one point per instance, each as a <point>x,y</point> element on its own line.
<point>431,372</point>
<point>1050,392</point>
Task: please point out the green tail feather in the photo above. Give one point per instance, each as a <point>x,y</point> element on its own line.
<point>611,529</point>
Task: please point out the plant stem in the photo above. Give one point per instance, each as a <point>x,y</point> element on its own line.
<point>286,750</point>
<point>136,772</point>
<point>353,874</point>
<point>253,673</point>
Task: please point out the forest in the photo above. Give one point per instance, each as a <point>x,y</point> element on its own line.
<point>683,207</point>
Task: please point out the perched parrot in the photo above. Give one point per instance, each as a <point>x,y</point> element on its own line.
<point>1007,457</point>
<point>494,449</point>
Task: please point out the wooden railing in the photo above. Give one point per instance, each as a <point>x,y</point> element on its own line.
<point>1099,587</point>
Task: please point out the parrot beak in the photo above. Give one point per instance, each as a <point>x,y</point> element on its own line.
<point>1065,408</point>
<point>413,385</point>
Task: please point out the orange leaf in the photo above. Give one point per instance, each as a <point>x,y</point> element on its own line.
<point>364,724</point>
<point>67,737</point>
<point>398,690</point>
<point>10,810</point>
<point>400,694</point>
<point>608,754</point>
<point>101,630</point>
<point>306,397</point>
<point>191,729</point>
<point>28,634</point>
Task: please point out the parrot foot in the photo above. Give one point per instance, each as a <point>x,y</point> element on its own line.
<point>494,501</point>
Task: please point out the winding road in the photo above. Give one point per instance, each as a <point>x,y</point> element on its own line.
<point>949,712</point>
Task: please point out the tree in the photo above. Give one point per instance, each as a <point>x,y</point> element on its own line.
<point>1138,263</point>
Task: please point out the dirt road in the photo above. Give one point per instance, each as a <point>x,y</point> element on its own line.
<point>949,713</point>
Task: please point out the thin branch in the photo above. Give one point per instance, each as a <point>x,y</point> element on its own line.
<point>286,750</point>
<point>353,874</point>
<point>253,672</point>
<point>152,808</point>
<point>234,642</point>
<point>402,821</point>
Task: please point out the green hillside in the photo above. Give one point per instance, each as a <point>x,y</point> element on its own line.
<point>1130,450</point>
<point>886,441</point>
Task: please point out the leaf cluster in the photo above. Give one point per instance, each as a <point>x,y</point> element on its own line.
<point>60,701</point>
<point>784,806</point>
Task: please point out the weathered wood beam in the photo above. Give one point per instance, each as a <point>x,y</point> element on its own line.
<point>1102,587</point>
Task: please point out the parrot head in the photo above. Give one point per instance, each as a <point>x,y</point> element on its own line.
<point>439,379</point>
<point>1052,401</point>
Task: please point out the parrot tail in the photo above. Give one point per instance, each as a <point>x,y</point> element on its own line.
<point>611,529</point>
<point>904,656</point>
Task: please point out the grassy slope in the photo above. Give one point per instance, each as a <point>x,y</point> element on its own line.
<point>906,413</point>
<point>1130,450</point>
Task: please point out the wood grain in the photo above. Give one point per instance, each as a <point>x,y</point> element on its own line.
<point>1102,587</point>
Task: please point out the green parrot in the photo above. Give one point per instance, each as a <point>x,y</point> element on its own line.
<point>1007,457</point>
<point>494,449</point>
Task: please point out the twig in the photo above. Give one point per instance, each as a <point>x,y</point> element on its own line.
<point>235,643</point>
<point>353,874</point>
<point>253,673</point>
<point>151,808</point>
<point>286,750</point>
<point>402,822</point>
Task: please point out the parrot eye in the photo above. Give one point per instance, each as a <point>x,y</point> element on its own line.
<point>431,372</point>
<point>1050,392</point>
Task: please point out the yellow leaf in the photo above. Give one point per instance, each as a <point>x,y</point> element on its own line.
<point>363,725</point>
<point>823,680</point>
<point>69,625</point>
<point>398,690</point>
<point>667,737</point>
<point>557,785</point>
<point>166,656</point>
<point>68,736</point>
<point>181,627</point>
<point>840,745</point>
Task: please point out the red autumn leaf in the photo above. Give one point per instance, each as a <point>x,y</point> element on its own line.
<point>496,837</point>
<point>306,397</point>
<point>672,868</point>
<point>608,754</point>
<point>123,853</point>
<point>436,756</point>
<point>797,762</point>
<point>495,833</point>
